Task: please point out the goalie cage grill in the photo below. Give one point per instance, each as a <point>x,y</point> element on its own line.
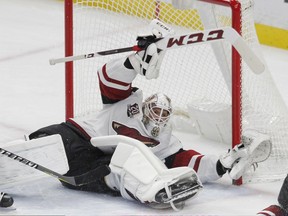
<point>208,80</point>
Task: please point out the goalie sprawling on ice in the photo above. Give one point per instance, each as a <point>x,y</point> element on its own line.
<point>151,166</point>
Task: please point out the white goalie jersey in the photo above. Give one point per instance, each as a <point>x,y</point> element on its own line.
<point>123,114</point>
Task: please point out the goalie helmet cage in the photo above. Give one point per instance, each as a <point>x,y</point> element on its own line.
<point>210,82</point>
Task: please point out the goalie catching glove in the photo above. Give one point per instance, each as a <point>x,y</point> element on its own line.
<point>256,148</point>
<point>147,62</point>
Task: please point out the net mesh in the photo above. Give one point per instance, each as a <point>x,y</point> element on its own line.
<point>195,75</point>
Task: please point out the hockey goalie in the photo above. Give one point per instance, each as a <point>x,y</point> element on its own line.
<point>133,136</point>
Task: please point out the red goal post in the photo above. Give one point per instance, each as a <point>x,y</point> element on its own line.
<point>234,89</point>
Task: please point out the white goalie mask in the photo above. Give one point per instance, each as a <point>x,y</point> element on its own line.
<point>157,111</point>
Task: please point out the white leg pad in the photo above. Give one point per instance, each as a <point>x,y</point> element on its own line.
<point>46,151</point>
<point>136,171</point>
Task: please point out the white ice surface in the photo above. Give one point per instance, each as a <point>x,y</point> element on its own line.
<point>32,96</point>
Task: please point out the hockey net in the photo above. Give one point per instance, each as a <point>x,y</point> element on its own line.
<point>202,81</point>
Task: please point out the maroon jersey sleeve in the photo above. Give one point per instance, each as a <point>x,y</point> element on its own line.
<point>184,158</point>
<point>115,81</point>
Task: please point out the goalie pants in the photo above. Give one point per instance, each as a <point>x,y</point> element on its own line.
<point>81,155</point>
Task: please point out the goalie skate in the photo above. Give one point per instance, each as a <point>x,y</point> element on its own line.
<point>178,192</point>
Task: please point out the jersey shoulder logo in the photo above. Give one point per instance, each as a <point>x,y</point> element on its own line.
<point>132,110</point>
<point>121,129</point>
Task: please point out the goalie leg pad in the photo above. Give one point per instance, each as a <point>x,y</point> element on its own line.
<point>47,151</point>
<point>138,174</point>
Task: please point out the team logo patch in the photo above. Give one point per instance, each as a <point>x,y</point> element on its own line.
<point>121,129</point>
<point>132,110</point>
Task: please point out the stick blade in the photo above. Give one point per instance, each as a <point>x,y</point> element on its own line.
<point>249,56</point>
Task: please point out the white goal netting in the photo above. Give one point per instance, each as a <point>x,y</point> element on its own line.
<point>198,79</point>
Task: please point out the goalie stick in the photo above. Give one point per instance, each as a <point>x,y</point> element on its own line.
<point>171,42</point>
<point>79,180</point>
<point>162,29</point>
